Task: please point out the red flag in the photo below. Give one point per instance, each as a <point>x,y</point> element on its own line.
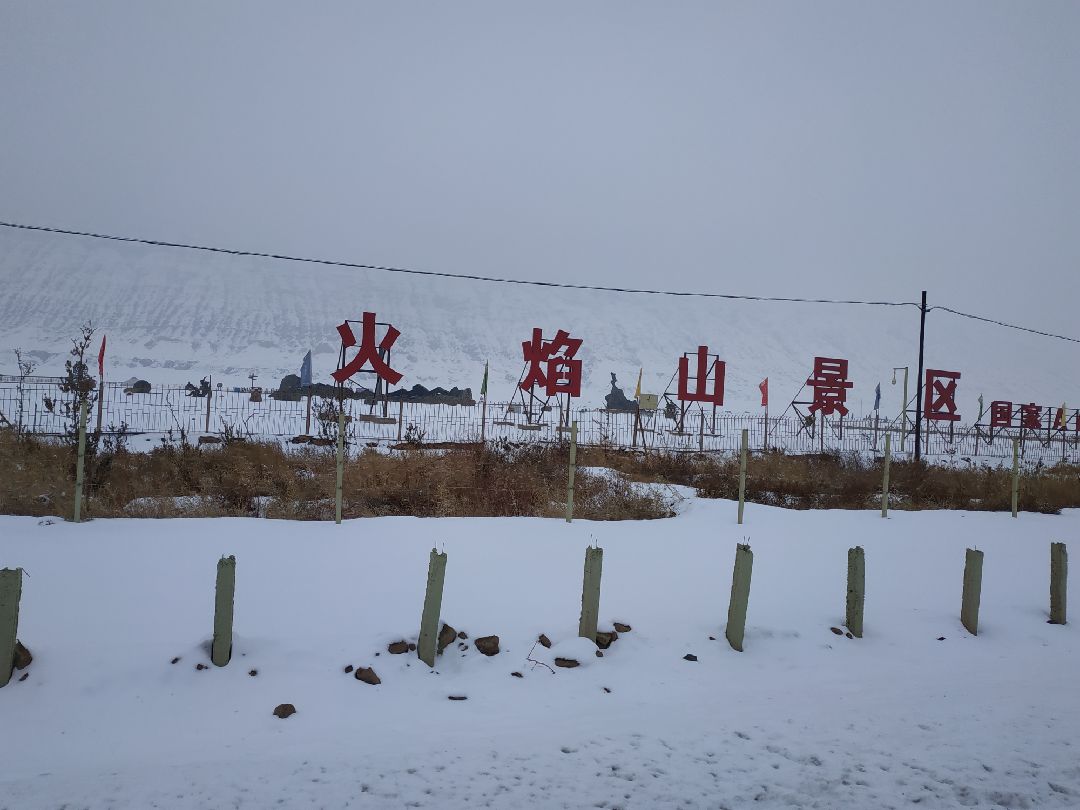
<point>763,386</point>
<point>101,359</point>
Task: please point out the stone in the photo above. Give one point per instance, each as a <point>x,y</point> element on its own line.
<point>603,640</point>
<point>201,667</point>
<point>544,641</point>
<point>599,654</point>
<point>463,646</point>
<point>458,697</point>
<point>412,647</point>
<point>488,645</point>
<point>446,637</point>
<point>367,675</point>
<point>622,628</point>
<point>516,675</point>
<point>175,660</point>
<point>463,635</point>
<point>607,690</point>
<point>689,657</point>
<point>837,630</point>
<point>253,673</point>
<point>285,710</point>
<point>23,658</point>
<point>209,440</point>
<point>348,669</point>
<point>569,663</point>
<point>398,647</point>
<point>849,635</point>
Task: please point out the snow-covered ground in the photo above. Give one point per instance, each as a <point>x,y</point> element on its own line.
<point>803,718</point>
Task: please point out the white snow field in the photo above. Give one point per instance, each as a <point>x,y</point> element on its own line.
<point>803,718</point>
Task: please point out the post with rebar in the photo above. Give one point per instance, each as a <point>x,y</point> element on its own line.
<point>885,477</point>
<point>427,646</point>
<point>224,596</point>
<point>1059,573</point>
<point>340,461</point>
<point>80,464</point>
<point>590,593</point>
<point>1016,477</point>
<point>740,596</point>
<point>10,593</point>
<point>570,474</point>
<point>856,590</point>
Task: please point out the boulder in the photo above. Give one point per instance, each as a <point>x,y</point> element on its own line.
<point>285,710</point>
<point>488,645</point>
<point>367,675</point>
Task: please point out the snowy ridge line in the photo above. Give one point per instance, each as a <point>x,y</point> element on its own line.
<point>167,409</point>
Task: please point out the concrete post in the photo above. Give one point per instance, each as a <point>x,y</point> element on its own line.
<point>885,478</point>
<point>969,608</point>
<point>1059,573</point>
<point>740,596</point>
<point>570,475</point>
<point>221,650</point>
<point>856,589</point>
<point>80,466</point>
<point>590,593</point>
<point>340,462</point>
<point>427,645</point>
<point>1015,476</point>
<point>742,471</point>
<point>10,593</point>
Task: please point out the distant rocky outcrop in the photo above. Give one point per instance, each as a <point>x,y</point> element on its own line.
<point>291,390</point>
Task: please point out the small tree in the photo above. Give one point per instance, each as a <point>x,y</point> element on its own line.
<point>26,368</point>
<point>79,387</point>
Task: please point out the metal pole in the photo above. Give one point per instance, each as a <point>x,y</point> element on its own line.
<point>209,396</point>
<point>744,442</point>
<point>919,379</point>
<point>903,411</point>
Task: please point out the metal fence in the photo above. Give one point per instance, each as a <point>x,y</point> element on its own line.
<point>37,407</point>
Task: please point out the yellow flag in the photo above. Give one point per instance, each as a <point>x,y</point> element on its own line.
<point>637,391</point>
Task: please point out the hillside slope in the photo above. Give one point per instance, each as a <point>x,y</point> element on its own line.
<point>173,315</point>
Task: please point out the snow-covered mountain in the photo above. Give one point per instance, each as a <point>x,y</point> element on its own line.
<point>173,315</point>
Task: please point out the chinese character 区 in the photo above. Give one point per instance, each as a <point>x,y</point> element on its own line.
<point>552,364</point>
<point>1001,414</point>
<point>369,351</point>
<point>1031,416</point>
<point>830,385</point>
<point>701,392</point>
<point>941,395</point>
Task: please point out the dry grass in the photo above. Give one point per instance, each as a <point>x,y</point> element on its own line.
<point>501,479</point>
<point>252,478</point>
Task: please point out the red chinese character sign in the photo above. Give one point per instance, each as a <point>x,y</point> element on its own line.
<point>552,364</point>
<point>940,397</point>
<point>552,369</point>
<point>708,380</point>
<point>372,354</point>
<point>830,385</point>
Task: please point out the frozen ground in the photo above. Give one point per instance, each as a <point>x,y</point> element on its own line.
<point>802,719</point>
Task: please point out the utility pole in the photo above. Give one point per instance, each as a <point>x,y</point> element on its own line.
<point>919,379</point>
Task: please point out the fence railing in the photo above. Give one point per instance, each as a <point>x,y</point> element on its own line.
<point>37,407</point>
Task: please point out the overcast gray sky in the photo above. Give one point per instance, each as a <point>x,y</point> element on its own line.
<point>860,149</point>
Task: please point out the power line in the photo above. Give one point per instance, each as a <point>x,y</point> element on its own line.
<point>526,282</point>
<point>461,276</point>
<point>1002,323</point>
